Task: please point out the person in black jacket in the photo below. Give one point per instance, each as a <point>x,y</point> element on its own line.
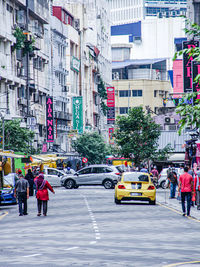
<point>30,178</point>
<point>172,177</point>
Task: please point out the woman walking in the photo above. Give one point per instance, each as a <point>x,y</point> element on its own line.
<point>30,178</point>
<point>42,195</point>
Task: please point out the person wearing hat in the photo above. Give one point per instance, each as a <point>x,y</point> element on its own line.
<point>22,193</point>
<point>42,187</point>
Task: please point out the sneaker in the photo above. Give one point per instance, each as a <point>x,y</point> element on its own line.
<point>25,213</point>
<point>183,214</point>
<point>20,214</point>
<point>38,214</point>
<point>44,214</point>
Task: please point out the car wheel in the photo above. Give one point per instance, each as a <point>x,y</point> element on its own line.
<point>117,201</point>
<point>69,184</point>
<point>162,184</point>
<point>108,184</point>
<point>152,202</point>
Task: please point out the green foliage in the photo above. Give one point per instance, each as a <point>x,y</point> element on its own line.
<point>16,138</point>
<point>189,110</point>
<point>162,154</point>
<point>91,146</point>
<point>137,135</point>
<point>22,43</point>
<point>103,96</point>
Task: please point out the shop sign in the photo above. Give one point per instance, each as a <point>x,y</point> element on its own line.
<point>111,105</point>
<point>49,119</point>
<point>75,64</point>
<point>187,66</point>
<point>78,114</point>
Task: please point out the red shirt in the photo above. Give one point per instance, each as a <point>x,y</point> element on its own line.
<point>186,181</point>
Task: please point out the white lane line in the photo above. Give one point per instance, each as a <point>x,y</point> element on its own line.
<point>93,242</point>
<point>71,248</point>
<point>98,237</point>
<point>33,255</point>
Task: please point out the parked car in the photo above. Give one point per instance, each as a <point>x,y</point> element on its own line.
<point>53,176</point>
<point>163,181</point>
<point>135,186</point>
<point>7,193</point>
<point>100,174</point>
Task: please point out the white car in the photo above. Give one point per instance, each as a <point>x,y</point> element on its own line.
<point>53,176</point>
<point>162,179</point>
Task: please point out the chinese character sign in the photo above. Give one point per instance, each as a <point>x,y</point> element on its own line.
<point>187,65</point>
<point>49,119</point>
<point>111,105</point>
<point>78,114</point>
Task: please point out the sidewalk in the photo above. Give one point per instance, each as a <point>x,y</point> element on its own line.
<point>162,197</point>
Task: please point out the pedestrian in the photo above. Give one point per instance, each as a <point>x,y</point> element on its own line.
<point>42,195</point>
<point>154,172</point>
<point>186,186</point>
<point>144,169</point>
<point>197,189</point>
<point>172,177</point>
<point>30,178</point>
<point>22,193</point>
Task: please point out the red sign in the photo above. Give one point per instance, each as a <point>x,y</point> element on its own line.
<point>49,118</point>
<point>84,160</point>
<point>111,105</point>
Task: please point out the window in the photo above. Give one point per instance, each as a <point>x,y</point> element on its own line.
<point>124,93</point>
<point>155,93</point>
<point>123,110</point>
<point>108,170</point>
<point>98,170</point>
<point>136,93</point>
<point>85,171</point>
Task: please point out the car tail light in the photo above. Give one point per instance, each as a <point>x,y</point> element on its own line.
<point>117,173</point>
<point>121,186</point>
<point>151,187</point>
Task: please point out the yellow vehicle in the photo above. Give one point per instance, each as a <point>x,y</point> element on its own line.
<point>135,186</point>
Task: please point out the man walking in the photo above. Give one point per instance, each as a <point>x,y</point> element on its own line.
<point>172,177</point>
<point>186,186</point>
<point>22,192</point>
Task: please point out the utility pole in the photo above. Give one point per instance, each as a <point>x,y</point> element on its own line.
<point>27,61</point>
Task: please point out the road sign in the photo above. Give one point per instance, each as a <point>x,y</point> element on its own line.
<point>84,160</point>
<point>1,139</point>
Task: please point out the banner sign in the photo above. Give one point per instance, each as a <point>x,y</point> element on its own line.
<point>195,72</point>
<point>75,64</point>
<point>111,105</point>
<point>111,137</point>
<point>78,114</point>
<point>49,119</point>
<point>187,66</point>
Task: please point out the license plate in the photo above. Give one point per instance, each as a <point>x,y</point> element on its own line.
<point>136,194</point>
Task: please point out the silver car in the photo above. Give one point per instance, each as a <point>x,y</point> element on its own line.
<point>104,175</point>
<point>163,181</point>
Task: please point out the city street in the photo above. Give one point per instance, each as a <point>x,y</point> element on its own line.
<point>85,228</point>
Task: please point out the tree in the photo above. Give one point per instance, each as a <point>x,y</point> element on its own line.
<point>189,106</point>
<point>91,146</point>
<point>16,138</point>
<point>137,135</point>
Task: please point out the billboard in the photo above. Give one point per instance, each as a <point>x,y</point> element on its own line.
<point>187,65</point>
<point>111,105</point>
<point>49,119</point>
<point>77,103</point>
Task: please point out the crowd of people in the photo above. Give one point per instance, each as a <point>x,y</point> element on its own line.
<point>26,186</point>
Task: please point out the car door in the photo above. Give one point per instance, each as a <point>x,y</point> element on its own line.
<point>97,175</point>
<point>84,176</point>
<point>53,177</point>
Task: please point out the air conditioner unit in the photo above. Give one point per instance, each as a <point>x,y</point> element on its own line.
<point>169,120</point>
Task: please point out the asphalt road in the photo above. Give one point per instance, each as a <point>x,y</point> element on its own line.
<point>85,228</point>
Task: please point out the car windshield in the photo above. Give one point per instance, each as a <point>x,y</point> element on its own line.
<point>135,177</point>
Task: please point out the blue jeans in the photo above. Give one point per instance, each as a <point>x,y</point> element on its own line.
<point>172,190</point>
<point>22,201</point>
<point>188,196</point>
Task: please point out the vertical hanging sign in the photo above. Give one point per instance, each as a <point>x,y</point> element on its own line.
<point>78,114</point>
<point>111,105</point>
<point>187,66</point>
<point>49,119</point>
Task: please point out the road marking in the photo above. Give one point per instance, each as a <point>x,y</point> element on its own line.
<point>93,242</point>
<point>33,255</point>
<point>71,248</point>
<point>3,215</point>
<point>178,212</point>
<point>181,263</point>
